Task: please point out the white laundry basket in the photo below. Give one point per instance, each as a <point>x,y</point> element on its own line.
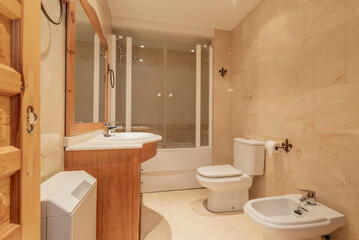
<point>68,207</point>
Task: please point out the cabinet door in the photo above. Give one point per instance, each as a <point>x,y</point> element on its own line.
<point>19,100</point>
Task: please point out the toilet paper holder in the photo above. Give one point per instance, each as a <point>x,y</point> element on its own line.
<point>285,146</point>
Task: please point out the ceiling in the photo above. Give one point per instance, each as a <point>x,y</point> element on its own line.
<point>194,17</point>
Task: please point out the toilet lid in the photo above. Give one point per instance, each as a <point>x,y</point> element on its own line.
<point>218,171</point>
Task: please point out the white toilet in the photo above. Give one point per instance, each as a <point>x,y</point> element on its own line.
<point>228,185</point>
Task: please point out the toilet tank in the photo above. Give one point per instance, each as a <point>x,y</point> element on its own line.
<point>249,156</point>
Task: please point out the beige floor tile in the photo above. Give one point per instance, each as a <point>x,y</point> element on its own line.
<point>247,229</point>
<point>182,215</point>
<point>150,199</point>
<point>167,198</point>
<point>154,225</point>
<point>189,196</point>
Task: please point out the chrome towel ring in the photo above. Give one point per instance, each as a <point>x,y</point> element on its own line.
<point>61,14</point>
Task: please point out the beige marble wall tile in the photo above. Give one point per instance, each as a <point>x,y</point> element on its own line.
<point>258,17</point>
<point>329,109</point>
<point>353,6</point>
<point>326,58</point>
<point>282,30</point>
<point>52,154</point>
<point>222,141</point>
<point>352,192</point>
<point>295,76</point>
<point>317,166</point>
<point>352,58</point>
<point>267,78</point>
<point>222,113</point>
<point>244,85</point>
<point>351,228</point>
<point>243,117</point>
<point>266,187</point>
<point>322,15</point>
<point>290,69</point>
<point>284,4</point>
<point>221,86</point>
<point>273,76</point>
<point>222,41</point>
<point>279,116</point>
<point>52,96</point>
<point>244,53</point>
<point>331,115</point>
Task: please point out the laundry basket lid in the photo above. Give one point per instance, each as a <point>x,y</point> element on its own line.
<point>62,193</point>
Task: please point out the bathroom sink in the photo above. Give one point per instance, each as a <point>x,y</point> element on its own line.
<point>127,136</point>
<point>276,217</point>
<point>124,140</point>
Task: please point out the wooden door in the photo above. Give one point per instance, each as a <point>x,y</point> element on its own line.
<point>19,99</point>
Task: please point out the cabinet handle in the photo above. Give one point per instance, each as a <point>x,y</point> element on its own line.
<point>31,121</point>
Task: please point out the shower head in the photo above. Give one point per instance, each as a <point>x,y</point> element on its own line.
<point>124,55</point>
<point>133,57</point>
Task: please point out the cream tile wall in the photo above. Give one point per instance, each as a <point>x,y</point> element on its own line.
<point>295,75</point>
<point>52,93</point>
<point>53,45</point>
<point>222,140</point>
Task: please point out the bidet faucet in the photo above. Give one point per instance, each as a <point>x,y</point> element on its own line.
<point>310,197</point>
<point>108,128</point>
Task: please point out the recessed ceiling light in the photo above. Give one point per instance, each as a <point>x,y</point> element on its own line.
<point>142,46</point>
<point>192,50</point>
<point>141,60</point>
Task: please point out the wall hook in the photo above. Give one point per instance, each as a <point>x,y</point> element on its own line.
<point>286,146</point>
<point>223,72</point>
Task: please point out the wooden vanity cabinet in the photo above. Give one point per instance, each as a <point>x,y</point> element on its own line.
<point>118,198</point>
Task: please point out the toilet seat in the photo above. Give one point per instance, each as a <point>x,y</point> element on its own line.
<point>228,186</point>
<point>219,171</point>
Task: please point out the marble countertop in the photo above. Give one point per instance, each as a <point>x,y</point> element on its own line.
<point>99,144</point>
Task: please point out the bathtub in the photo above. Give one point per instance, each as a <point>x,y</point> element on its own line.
<point>174,169</point>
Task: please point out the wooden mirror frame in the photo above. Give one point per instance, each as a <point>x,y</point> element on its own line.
<point>73,128</point>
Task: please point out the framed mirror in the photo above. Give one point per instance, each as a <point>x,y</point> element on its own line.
<point>86,73</point>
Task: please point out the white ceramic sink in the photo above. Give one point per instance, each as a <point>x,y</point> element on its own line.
<point>127,136</point>
<point>276,217</point>
<point>126,140</point>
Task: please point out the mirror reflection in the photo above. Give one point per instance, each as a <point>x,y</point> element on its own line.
<point>90,71</point>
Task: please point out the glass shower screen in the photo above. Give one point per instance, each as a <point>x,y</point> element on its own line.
<point>163,94</point>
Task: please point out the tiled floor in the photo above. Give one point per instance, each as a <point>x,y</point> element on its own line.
<point>182,215</point>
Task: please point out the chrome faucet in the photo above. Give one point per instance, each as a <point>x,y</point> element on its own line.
<point>310,197</point>
<point>108,128</point>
